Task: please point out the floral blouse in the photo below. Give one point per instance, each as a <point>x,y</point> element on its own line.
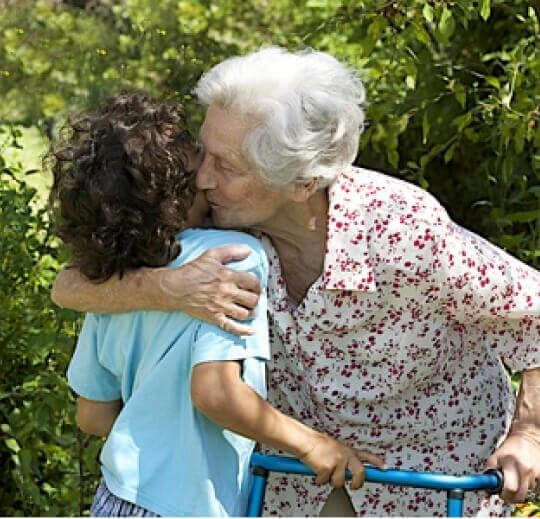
<point>400,346</point>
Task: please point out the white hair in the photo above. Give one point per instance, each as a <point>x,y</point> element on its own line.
<point>307,110</point>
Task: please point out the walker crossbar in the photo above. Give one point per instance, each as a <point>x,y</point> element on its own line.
<point>491,481</point>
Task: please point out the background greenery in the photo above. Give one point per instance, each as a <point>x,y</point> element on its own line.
<point>454,105</point>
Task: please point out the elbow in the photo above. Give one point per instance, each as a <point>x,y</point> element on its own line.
<point>217,390</point>
<point>58,291</point>
<point>90,428</point>
<point>66,283</point>
<point>89,425</point>
<point>209,399</point>
<point>56,295</point>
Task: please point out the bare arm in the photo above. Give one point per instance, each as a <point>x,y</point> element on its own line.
<point>519,455</point>
<point>219,393</point>
<point>203,288</point>
<point>95,417</point>
<point>137,290</point>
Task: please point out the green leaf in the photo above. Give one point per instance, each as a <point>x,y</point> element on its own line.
<point>493,81</point>
<point>535,190</point>
<point>393,157</point>
<point>485,8</point>
<point>449,153</point>
<point>428,157</point>
<point>463,121</point>
<point>421,34</point>
<point>427,11</point>
<point>25,460</point>
<point>447,24</point>
<point>425,128</point>
<point>12,445</point>
<point>461,94</point>
<point>524,216</point>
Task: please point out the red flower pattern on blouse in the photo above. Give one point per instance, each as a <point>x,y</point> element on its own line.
<point>399,346</point>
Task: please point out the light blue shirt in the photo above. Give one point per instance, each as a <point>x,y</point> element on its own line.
<point>162,454</point>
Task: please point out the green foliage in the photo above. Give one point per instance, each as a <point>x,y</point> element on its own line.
<point>454,103</point>
<point>39,447</point>
<point>454,106</point>
<point>454,96</point>
<point>71,57</point>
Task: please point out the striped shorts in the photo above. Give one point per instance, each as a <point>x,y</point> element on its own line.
<point>106,504</point>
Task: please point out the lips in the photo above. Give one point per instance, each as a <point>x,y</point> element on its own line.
<point>212,204</point>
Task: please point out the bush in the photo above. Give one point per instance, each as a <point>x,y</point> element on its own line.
<point>454,105</point>
<point>44,461</point>
<point>453,90</point>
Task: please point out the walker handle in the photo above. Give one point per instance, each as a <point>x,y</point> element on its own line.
<point>491,480</point>
<point>500,478</point>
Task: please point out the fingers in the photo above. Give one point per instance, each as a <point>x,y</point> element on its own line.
<point>323,477</point>
<point>339,458</point>
<point>234,311</point>
<point>511,481</point>
<point>370,458</point>
<point>358,473</point>
<point>232,326</point>
<point>248,282</point>
<point>517,480</point>
<point>353,462</point>
<point>492,463</point>
<point>229,253</point>
<point>245,299</point>
<point>337,479</point>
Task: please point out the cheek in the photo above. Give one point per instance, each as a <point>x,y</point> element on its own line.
<point>248,193</point>
<point>236,190</point>
<point>264,202</point>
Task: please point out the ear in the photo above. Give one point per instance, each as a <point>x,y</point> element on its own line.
<point>304,190</point>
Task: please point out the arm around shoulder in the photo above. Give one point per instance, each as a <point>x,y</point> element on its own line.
<point>203,288</point>
<point>136,290</point>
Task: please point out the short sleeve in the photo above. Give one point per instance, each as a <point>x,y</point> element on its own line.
<point>211,343</point>
<point>86,375</point>
<point>483,286</point>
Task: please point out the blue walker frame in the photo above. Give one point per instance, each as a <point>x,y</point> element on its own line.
<point>455,486</point>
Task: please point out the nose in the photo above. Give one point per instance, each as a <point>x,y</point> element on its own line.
<point>205,178</point>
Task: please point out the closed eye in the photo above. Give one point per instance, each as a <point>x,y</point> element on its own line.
<point>224,166</point>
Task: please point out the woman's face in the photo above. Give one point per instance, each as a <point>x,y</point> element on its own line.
<point>237,196</point>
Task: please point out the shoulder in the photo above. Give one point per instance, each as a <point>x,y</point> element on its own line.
<point>195,242</point>
<point>108,327</point>
<point>386,219</point>
<point>217,238</point>
<point>382,195</point>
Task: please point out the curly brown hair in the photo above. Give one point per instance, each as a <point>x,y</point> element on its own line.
<point>121,187</point>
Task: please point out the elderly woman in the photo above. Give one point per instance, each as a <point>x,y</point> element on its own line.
<point>390,324</point>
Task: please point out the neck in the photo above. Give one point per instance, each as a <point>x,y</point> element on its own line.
<point>299,225</point>
<point>298,234</point>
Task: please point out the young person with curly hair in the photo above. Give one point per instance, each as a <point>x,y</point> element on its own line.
<point>172,393</point>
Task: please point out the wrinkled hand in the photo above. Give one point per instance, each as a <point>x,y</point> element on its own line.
<point>206,289</point>
<point>330,458</point>
<point>519,460</point>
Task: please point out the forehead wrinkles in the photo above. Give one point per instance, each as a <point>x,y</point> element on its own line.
<point>226,130</point>
<point>220,144</point>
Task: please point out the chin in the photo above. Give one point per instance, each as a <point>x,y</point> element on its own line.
<point>224,221</point>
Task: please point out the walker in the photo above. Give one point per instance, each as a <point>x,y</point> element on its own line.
<point>455,486</point>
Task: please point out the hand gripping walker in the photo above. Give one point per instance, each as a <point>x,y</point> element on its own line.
<point>455,486</point>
